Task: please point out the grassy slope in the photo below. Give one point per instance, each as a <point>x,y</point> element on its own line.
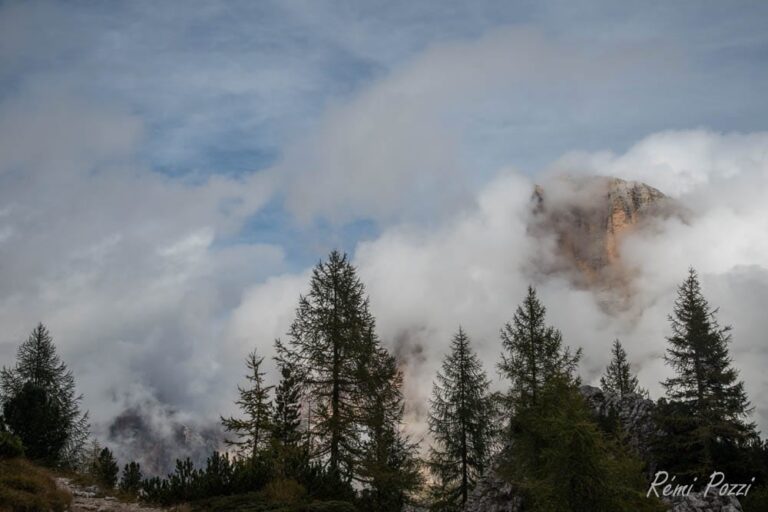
<point>256,502</point>
<point>29,488</point>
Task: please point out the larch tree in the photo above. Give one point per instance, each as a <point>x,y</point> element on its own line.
<point>40,402</point>
<point>533,353</point>
<point>559,459</point>
<point>708,406</point>
<point>325,344</point>
<point>556,454</point>
<point>252,432</point>
<point>618,377</point>
<point>461,424</point>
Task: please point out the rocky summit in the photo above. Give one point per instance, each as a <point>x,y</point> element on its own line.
<point>588,218</point>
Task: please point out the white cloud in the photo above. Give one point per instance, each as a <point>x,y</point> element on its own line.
<point>473,267</point>
<point>388,121</point>
<point>123,264</point>
<point>398,150</point>
<point>680,162</point>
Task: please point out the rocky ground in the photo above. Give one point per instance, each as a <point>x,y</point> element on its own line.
<point>89,499</point>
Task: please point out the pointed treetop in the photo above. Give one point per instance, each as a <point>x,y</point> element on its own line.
<point>618,376</point>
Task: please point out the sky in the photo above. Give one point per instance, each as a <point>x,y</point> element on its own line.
<point>170,172</point>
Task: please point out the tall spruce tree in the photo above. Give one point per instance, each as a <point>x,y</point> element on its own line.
<point>290,455</point>
<point>253,431</point>
<point>707,409</point>
<point>618,376</point>
<point>461,423</point>
<point>130,481</point>
<point>326,343</point>
<point>389,470</point>
<point>105,469</point>
<point>286,421</point>
<point>533,353</point>
<point>40,403</point>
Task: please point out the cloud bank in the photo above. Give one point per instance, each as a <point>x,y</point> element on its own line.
<point>472,269</point>
<point>168,175</point>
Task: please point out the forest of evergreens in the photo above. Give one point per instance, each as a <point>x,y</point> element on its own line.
<point>330,434</point>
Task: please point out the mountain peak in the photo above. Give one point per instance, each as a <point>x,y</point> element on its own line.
<point>588,218</point>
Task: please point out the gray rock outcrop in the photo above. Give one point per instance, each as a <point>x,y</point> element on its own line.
<point>634,412</point>
<point>697,502</point>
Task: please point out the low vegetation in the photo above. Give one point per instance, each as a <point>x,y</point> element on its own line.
<point>25,487</point>
<point>258,502</point>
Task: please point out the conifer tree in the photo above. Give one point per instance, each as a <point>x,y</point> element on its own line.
<point>290,455</point>
<point>560,461</point>
<point>389,469</point>
<point>34,416</point>
<point>253,431</point>
<point>556,455</point>
<point>618,376</point>
<point>40,403</point>
<point>287,411</point>
<point>461,423</point>
<point>105,469</point>
<point>533,353</point>
<point>130,481</point>
<point>326,343</point>
<point>89,456</point>
<point>708,405</point>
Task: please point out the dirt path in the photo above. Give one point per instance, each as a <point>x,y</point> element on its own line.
<point>87,500</point>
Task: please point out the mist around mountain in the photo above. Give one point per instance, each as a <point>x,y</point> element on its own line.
<point>336,433</point>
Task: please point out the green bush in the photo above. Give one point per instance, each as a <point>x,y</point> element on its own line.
<point>10,446</point>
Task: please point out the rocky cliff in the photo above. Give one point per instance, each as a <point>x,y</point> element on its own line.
<point>588,218</point>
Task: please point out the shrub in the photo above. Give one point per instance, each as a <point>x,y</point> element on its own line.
<point>10,446</point>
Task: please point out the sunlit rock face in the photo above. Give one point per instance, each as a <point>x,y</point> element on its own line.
<point>581,223</point>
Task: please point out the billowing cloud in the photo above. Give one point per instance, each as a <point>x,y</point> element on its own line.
<point>473,270</point>
<point>684,162</point>
<point>153,159</point>
<point>399,150</point>
<point>125,265</point>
